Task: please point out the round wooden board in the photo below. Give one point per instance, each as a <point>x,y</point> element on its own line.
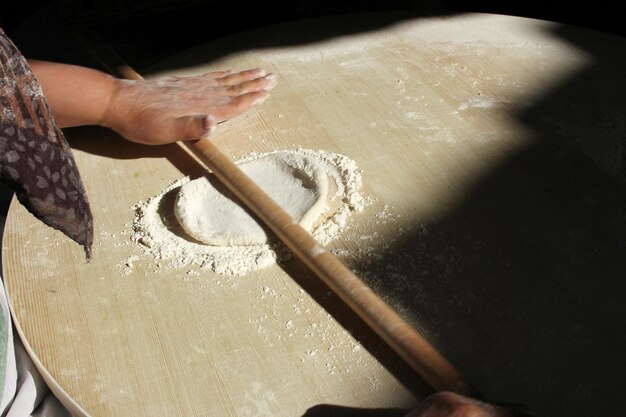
<point>427,109</point>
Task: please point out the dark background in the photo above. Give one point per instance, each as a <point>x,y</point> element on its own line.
<point>145,31</point>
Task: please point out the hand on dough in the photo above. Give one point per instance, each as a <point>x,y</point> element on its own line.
<point>169,109</point>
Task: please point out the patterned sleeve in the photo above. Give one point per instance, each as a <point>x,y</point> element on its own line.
<point>35,159</point>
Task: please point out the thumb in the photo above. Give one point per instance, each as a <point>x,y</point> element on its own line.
<point>192,127</point>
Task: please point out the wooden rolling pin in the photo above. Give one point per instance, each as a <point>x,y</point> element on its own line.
<point>396,332</point>
<point>420,355</point>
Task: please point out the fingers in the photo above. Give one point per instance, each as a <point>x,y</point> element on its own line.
<point>216,74</point>
<point>239,104</point>
<point>239,92</point>
<point>240,77</point>
<point>265,83</point>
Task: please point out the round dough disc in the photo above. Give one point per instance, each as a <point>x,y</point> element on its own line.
<point>212,215</point>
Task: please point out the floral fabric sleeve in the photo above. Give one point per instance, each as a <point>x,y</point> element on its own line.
<point>35,159</point>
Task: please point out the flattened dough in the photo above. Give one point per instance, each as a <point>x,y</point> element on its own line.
<point>210,214</point>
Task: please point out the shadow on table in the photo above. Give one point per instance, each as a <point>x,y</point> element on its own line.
<point>294,32</point>
<point>146,32</point>
<point>522,284</point>
<point>100,141</point>
<point>327,410</point>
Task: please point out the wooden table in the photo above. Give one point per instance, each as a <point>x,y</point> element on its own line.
<point>493,150</point>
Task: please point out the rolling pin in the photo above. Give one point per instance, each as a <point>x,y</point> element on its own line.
<point>412,347</point>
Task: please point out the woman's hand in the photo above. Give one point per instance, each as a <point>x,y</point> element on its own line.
<point>158,111</point>
<point>449,404</point>
<point>180,108</point>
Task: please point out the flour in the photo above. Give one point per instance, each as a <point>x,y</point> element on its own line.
<point>157,231</point>
<point>208,212</point>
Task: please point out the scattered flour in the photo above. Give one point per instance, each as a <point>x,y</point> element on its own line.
<point>477,103</point>
<point>157,231</point>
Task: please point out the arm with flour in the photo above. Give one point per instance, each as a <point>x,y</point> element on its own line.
<point>158,111</point>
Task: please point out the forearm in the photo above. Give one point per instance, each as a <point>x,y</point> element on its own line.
<point>76,95</point>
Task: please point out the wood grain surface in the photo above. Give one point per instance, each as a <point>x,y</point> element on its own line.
<point>428,108</point>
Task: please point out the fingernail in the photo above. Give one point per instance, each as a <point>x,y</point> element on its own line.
<point>261,72</point>
<point>272,80</point>
<point>206,122</point>
<point>209,125</point>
